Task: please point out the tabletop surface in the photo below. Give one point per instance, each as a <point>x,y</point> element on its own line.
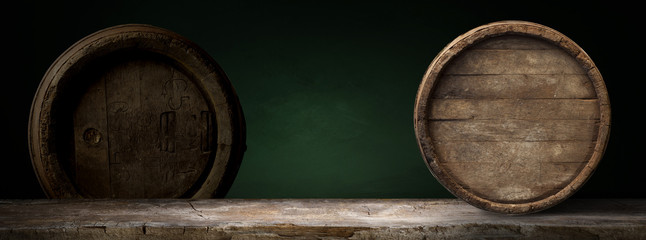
<point>314,218</point>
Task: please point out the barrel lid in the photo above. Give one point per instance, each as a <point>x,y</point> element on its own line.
<point>512,117</point>
<point>136,111</point>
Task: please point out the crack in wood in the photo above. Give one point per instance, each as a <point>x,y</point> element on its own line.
<point>199,213</point>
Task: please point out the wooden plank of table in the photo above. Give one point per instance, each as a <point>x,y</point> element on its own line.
<point>315,218</point>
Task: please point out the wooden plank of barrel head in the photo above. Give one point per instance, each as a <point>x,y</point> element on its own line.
<point>512,117</point>
<point>136,111</point>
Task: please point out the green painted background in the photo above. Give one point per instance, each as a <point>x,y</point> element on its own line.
<point>328,87</point>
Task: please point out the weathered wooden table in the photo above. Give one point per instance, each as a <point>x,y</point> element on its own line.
<point>314,219</point>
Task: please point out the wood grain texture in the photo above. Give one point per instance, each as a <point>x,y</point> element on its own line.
<point>136,111</point>
<point>509,61</point>
<point>517,109</point>
<point>512,116</point>
<point>513,181</point>
<point>515,86</point>
<point>514,130</point>
<point>314,219</point>
<point>518,151</point>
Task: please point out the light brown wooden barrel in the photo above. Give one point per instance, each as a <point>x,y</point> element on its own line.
<point>136,111</point>
<point>512,117</point>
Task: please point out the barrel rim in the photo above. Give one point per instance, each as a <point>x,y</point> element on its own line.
<point>472,37</point>
<point>213,81</point>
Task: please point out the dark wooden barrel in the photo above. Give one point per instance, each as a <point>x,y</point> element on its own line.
<point>512,117</point>
<point>136,111</point>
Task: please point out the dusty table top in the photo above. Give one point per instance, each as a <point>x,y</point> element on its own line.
<point>314,218</point>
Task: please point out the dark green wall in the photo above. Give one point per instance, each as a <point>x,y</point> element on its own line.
<point>328,87</point>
